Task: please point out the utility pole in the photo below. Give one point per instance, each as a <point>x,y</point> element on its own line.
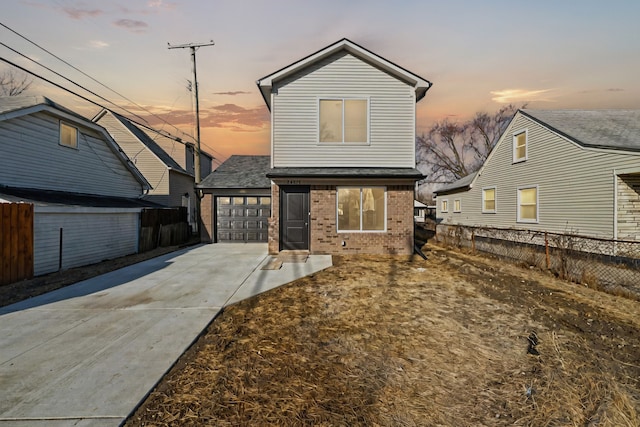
<point>196,161</point>
<point>193,47</point>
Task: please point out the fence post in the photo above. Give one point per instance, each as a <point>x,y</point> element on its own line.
<point>60,252</point>
<point>473,241</point>
<point>546,249</point>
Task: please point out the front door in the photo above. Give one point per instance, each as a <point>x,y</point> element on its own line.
<point>294,218</point>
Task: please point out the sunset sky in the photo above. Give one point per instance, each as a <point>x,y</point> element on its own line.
<point>479,54</point>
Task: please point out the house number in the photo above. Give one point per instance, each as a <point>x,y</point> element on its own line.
<point>294,181</point>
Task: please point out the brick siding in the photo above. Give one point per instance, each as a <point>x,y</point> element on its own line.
<point>398,239</point>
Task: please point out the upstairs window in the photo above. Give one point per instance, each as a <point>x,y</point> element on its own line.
<point>344,120</point>
<point>520,147</point>
<point>68,135</point>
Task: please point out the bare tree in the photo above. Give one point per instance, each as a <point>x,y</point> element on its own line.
<point>453,150</point>
<point>13,84</point>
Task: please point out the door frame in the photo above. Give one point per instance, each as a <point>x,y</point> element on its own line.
<point>294,189</point>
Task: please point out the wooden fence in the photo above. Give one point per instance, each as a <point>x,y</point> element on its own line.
<point>16,242</point>
<point>163,227</point>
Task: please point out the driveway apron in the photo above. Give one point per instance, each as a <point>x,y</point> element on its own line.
<point>87,354</point>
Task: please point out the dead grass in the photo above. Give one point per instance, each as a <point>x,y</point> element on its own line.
<point>405,342</point>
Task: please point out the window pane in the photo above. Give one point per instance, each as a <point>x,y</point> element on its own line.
<point>444,206</point>
<point>528,212</point>
<point>330,120</point>
<point>252,200</point>
<point>265,200</point>
<point>68,135</point>
<point>489,199</point>
<point>489,205</point>
<point>224,200</point>
<point>521,146</point>
<point>528,196</point>
<point>349,209</point>
<point>238,200</point>
<point>373,209</point>
<point>355,120</point>
<point>456,205</point>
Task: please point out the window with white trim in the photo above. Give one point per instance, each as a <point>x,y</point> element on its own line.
<point>68,135</point>
<point>489,200</point>
<point>444,205</point>
<point>520,146</point>
<point>343,120</point>
<point>528,204</point>
<point>361,208</point>
<point>457,205</point>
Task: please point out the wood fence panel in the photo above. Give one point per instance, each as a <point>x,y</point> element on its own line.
<point>162,227</point>
<point>16,242</point>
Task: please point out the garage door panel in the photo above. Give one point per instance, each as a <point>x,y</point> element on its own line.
<point>243,218</point>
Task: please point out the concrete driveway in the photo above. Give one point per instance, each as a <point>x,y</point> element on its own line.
<point>87,354</point>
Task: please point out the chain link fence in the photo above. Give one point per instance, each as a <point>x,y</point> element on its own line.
<point>610,265</point>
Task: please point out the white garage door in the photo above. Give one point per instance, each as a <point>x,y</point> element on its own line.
<point>243,218</point>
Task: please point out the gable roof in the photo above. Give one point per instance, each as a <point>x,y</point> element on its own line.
<point>420,84</point>
<point>17,106</point>
<point>240,172</point>
<point>145,139</point>
<point>608,129</point>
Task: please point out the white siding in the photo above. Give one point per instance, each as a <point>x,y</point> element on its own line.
<point>575,185</point>
<point>391,116</point>
<point>89,236</point>
<point>31,157</point>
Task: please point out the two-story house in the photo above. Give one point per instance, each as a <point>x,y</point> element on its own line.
<point>342,152</point>
<point>165,161</point>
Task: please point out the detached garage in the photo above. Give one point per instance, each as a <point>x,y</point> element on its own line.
<point>236,203</point>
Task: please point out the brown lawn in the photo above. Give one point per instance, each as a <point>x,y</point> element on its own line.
<point>398,341</point>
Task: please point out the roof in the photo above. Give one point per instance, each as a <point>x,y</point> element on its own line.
<point>321,172</point>
<point>62,198</point>
<point>609,129</point>
<point>149,143</point>
<point>240,172</point>
<point>16,106</point>
<point>463,183</point>
<point>420,84</point>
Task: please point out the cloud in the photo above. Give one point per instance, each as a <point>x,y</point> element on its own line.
<point>507,96</point>
<point>615,89</point>
<point>132,25</point>
<point>98,44</point>
<point>232,93</point>
<point>77,13</point>
<point>161,4</point>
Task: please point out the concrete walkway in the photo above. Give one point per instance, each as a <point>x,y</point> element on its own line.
<point>87,354</point>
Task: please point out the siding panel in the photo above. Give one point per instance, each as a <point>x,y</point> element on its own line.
<point>391,116</point>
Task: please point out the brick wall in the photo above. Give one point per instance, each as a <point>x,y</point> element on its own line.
<point>206,219</point>
<point>398,239</point>
<point>628,207</point>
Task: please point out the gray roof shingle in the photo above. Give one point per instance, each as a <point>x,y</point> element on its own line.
<point>240,171</point>
<point>610,129</point>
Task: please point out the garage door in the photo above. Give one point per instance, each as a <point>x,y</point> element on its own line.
<point>243,218</point>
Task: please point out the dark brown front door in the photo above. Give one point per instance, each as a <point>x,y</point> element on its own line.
<point>294,218</point>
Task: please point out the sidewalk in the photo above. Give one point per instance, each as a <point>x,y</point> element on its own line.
<point>87,354</point>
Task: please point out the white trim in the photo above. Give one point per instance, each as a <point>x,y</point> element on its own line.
<point>343,99</point>
<point>495,199</point>
<point>526,145</point>
<point>69,125</point>
<point>361,187</point>
<point>459,202</point>
<point>271,117</point>
<point>444,202</point>
<point>615,205</point>
<point>527,187</point>
<point>627,171</point>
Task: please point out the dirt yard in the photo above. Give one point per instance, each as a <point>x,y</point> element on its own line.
<point>457,340</point>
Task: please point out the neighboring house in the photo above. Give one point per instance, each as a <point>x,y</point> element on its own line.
<point>172,185</point>
<point>419,211</point>
<point>573,172</point>
<point>342,152</point>
<point>86,193</point>
<point>237,201</point>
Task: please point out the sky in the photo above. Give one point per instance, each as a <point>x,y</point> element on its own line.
<point>479,55</point>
